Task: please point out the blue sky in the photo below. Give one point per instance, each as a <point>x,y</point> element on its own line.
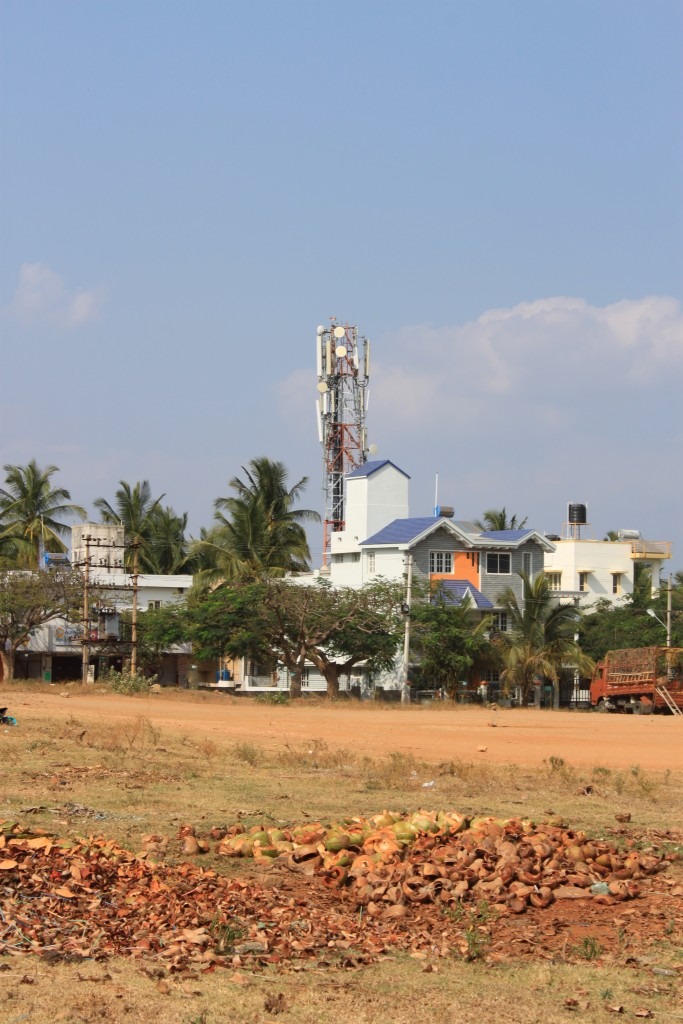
<point>490,190</point>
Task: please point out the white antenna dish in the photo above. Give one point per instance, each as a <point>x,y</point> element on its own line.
<point>321,330</point>
<point>340,351</point>
<point>339,332</point>
<point>373,449</point>
<point>321,386</point>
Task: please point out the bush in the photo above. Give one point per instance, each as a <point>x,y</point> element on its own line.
<point>125,682</point>
<point>272,698</point>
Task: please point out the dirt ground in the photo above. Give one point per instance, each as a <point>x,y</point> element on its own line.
<point>439,733</point>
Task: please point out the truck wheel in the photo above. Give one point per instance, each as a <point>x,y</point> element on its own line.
<point>601,706</point>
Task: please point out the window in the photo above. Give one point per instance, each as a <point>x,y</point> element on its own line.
<point>616,582</point>
<point>441,561</point>
<point>554,580</point>
<point>500,622</point>
<point>498,563</point>
<point>527,564</point>
<point>491,675</point>
<point>371,563</point>
<point>583,582</point>
<point>152,605</point>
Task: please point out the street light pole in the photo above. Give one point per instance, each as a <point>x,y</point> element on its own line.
<point>405,684</point>
<point>653,614</point>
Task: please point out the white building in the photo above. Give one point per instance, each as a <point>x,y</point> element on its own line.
<point>56,650</point>
<point>380,537</point>
<point>588,570</point>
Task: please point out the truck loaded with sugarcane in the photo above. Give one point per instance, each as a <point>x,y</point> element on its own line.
<point>640,680</point>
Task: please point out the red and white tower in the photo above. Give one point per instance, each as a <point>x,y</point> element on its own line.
<point>343,365</point>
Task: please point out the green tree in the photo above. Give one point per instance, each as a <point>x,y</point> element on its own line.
<point>259,529</point>
<point>159,630</point>
<point>447,639</point>
<point>31,513</point>
<point>273,620</point>
<point>30,599</point>
<point>607,627</point>
<point>134,509</point>
<point>540,639</point>
<point>497,519</point>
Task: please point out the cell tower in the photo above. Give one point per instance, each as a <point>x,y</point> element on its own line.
<point>343,364</point>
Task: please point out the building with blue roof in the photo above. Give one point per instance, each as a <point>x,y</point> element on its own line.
<point>380,536</point>
<point>381,539</point>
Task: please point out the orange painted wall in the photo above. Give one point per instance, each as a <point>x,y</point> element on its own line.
<point>465,567</point>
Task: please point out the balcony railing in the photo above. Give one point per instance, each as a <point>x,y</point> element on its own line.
<point>650,549</point>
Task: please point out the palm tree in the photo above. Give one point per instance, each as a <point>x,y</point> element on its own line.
<point>258,530</point>
<point>167,550</point>
<point>541,639</point>
<point>31,511</point>
<point>135,510</point>
<point>496,519</point>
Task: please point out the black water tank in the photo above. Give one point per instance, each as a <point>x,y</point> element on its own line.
<point>576,514</point>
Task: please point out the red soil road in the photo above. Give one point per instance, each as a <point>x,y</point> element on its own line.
<point>440,733</point>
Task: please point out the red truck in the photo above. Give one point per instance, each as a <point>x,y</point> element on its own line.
<point>640,680</point>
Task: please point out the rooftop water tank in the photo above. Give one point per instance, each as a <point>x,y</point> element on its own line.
<point>576,514</point>
<point>628,534</point>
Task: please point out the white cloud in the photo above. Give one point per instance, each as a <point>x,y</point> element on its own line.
<point>41,298</point>
<point>530,407</point>
<point>552,353</point>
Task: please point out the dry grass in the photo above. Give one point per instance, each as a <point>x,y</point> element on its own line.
<point>139,779</point>
<point>126,779</point>
<point>397,991</point>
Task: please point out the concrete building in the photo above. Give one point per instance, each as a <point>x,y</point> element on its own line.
<point>587,570</point>
<point>380,536</point>
<point>55,651</point>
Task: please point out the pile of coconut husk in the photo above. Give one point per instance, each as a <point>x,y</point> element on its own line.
<point>427,857</point>
<point>361,888</point>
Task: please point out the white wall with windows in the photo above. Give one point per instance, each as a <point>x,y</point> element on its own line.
<point>593,570</point>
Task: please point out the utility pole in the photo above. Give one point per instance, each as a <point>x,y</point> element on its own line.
<point>134,614</point>
<point>85,654</point>
<point>668,613</point>
<point>405,687</point>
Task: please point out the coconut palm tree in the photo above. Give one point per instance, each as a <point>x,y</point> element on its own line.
<point>135,510</point>
<point>257,530</point>
<point>496,519</point>
<point>167,550</point>
<point>31,512</point>
<point>541,637</point>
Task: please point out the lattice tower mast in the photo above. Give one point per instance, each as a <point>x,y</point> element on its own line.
<point>343,365</point>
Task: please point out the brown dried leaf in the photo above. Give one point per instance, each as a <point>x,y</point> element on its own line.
<point>275,1003</point>
<point>190,990</point>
